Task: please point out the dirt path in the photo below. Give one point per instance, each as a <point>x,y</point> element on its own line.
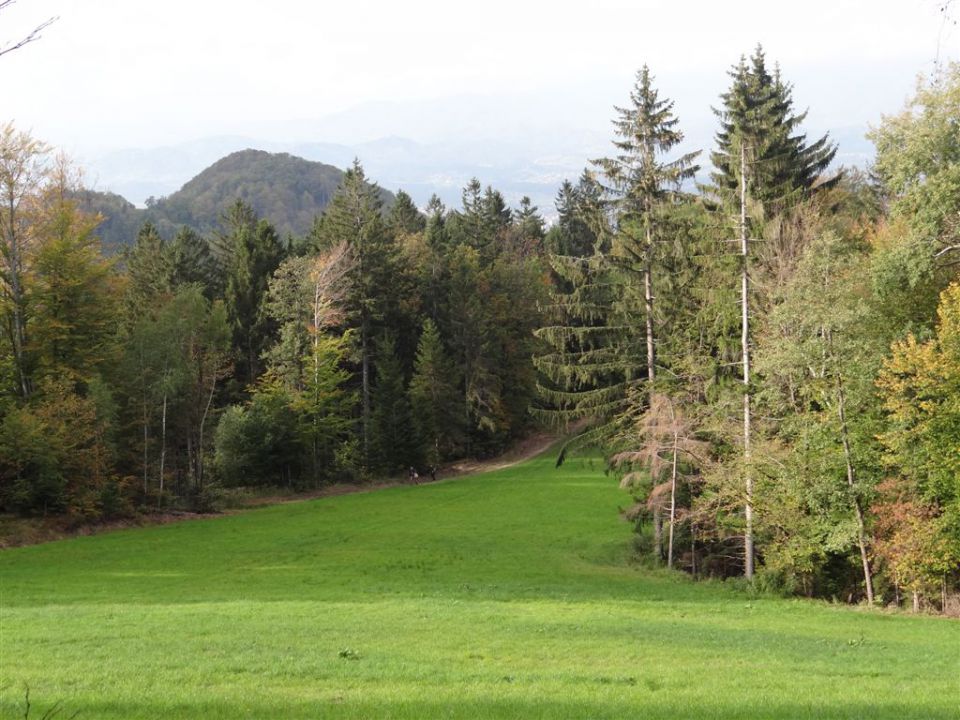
<point>524,450</point>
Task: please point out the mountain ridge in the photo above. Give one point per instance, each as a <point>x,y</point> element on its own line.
<point>288,190</point>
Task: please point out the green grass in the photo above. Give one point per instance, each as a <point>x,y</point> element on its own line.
<point>506,595</point>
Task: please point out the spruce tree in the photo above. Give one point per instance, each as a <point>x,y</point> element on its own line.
<point>404,218</point>
<point>757,113</point>
<point>192,262</point>
<point>641,182</point>
<point>354,217</point>
<point>149,271</point>
<point>434,399</point>
<point>392,436</point>
<point>255,252</point>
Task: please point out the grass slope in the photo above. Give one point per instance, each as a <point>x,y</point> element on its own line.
<point>504,595</point>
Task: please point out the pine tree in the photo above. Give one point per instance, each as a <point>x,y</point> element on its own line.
<point>393,440</point>
<point>192,262</point>
<point>640,183</point>
<point>757,114</point>
<point>578,207</point>
<point>354,217</point>
<point>528,230</point>
<point>404,218</point>
<point>434,399</point>
<point>254,252</point>
<point>149,271</point>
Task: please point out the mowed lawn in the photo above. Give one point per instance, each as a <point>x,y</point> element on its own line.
<point>506,595</point>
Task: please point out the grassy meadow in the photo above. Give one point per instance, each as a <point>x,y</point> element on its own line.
<point>503,595</point>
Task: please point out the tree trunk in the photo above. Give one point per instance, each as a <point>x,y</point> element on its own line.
<point>745,349</point>
<point>163,448</point>
<point>203,421</point>
<point>18,335</point>
<point>146,459</point>
<point>851,483</point>
<point>673,500</point>
<point>657,533</point>
<point>648,302</point>
<point>365,421</point>
<point>916,601</point>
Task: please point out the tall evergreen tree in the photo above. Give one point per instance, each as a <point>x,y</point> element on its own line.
<point>149,272</point>
<point>192,262</point>
<point>640,182</point>
<point>404,217</point>
<point>354,217</point>
<point>434,399</point>
<point>394,442</point>
<point>254,253</point>
<point>757,115</point>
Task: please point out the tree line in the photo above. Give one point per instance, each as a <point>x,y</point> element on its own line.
<point>768,357</point>
<point>382,339</point>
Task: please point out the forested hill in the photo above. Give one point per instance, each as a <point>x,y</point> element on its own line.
<point>287,190</point>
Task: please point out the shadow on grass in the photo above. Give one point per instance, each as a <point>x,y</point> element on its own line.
<point>646,704</point>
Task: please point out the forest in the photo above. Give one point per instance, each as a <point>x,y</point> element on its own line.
<point>764,346</point>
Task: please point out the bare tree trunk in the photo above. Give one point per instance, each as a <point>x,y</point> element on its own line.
<point>163,447</point>
<point>693,549</point>
<point>745,349</point>
<point>146,487</point>
<point>365,421</point>
<point>18,335</point>
<point>673,500</point>
<point>648,302</point>
<point>916,601</point>
<point>851,483</point>
<point>651,372</point>
<point>203,421</point>
<point>657,533</point>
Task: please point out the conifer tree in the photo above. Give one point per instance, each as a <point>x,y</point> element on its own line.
<point>394,443</point>
<point>254,253</point>
<point>404,217</point>
<point>434,398</point>
<point>757,114</point>
<point>149,271</point>
<point>192,262</point>
<point>354,218</point>
<point>641,182</point>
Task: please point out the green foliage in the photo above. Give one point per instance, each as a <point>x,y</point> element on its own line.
<point>254,253</point>
<point>55,456</point>
<point>434,399</point>
<point>72,295</point>
<point>259,442</point>
<point>395,443</point>
<point>404,217</point>
<point>757,115</point>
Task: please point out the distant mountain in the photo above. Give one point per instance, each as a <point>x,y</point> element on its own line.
<point>121,218</point>
<point>286,190</point>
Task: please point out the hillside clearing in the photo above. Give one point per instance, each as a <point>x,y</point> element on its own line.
<point>508,594</point>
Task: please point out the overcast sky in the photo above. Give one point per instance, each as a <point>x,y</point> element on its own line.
<point>121,73</point>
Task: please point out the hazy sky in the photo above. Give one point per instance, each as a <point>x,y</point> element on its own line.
<point>116,73</point>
